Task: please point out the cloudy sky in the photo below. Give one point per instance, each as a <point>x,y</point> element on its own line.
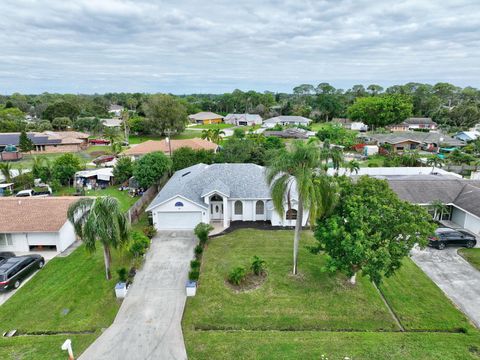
<point>185,46</point>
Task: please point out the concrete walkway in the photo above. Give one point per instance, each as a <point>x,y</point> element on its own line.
<point>148,325</point>
<point>455,276</point>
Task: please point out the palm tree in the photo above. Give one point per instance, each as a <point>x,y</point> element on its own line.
<point>296,172</point>
<point>353,166</point>
<point>434,162</point>
<point>439,209</point>
<point>332,153</point>
<point>207,134</point>
<point>100,219</point>
<point>113,135</point>
<point>213,135</point>
<point>6,169</point>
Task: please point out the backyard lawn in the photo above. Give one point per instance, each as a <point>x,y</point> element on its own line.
<point>316,313</point>
<point>472,256</point>
<point>186,134</point>
<point>212,126</point>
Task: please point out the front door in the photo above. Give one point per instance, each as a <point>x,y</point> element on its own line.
<point>216,210</point>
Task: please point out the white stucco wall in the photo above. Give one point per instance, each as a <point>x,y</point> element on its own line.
<point>19,243</point>
<point>466,220</point>
<point>66,236</point>
<point>169,207</point>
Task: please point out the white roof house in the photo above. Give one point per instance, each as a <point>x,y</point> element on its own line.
<point>286,120</point>
<point>90,177</point>
<point>243,119</point>
<point>217,193</point>
<point>467,135</point>
<point>111,123</point>
<point>115,110</point>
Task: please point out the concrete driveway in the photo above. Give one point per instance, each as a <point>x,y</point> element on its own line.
<point>455,276</point>
<point>148,325</point>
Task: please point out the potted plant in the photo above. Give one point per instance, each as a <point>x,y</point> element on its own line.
<point>121,286</point>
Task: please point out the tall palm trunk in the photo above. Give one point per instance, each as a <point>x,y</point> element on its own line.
<point>298,229</point>
<point>107,256</point>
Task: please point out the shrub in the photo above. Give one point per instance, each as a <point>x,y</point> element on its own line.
<point>122,274</point>
<point>139,243</point>
<point>150,231</point>
<point>258,265</point>
<point>201,231</point>
<point>198,251</point>
<point>194,274</point>
<point>195,264</point>
<point>237,275</point>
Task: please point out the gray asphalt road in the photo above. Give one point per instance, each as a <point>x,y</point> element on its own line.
<point>148,325</point>
<point>455,276</point>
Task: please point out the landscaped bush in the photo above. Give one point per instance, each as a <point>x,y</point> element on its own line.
<point>201,231</point>
<point>149,231</point>
<point>258,265</point>
<point>198,251</point>
<point>194,274</point>
<point>195,264</point>
<point>237,275</point>
<point>122,274</point>
<point>139,243</point>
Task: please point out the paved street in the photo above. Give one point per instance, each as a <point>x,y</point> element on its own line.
<point>148,325</point>
<point>455,276</point>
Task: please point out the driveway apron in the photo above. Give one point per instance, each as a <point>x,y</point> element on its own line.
<point>455,276</point>
<point>148,324</point>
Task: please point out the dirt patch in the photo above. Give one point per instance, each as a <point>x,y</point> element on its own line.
<point>251,282</point>
<point>299,276</point>
<point>96,154</point>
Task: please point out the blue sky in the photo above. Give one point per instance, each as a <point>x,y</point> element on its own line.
<point>87,46</point>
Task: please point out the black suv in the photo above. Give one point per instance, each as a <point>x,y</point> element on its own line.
<point>15,269</point>
<point>446,236</point>
<point>4,255</point>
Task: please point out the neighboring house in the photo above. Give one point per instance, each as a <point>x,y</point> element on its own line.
<point>286,121</point>
<point>111,123</point>
<point>205,118</point>
<point>48,141</point>
<point>467,136</point>
<point>13,174</point>
<point>217,193</point>
<point>137,151</point>
<point>412,140</point>
<point>101,177</point>
<point>414,123</point>
<point>243,119</point>
<point>6,189</point>
<point>290,133</point>
<point>461,196</point>
<point>10,153</point>
<point>115,110</point>
<point>34,223</point>
<point>351,125</point>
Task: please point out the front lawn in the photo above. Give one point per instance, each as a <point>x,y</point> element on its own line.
<point>472,256</point>
<point>212,126</point>
<point>126,201</point>
<point>316,313</point>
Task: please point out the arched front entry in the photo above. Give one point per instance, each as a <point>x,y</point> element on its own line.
<point>216,207</point>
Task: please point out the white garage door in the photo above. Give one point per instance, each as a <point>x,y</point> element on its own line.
<point>178,220</point>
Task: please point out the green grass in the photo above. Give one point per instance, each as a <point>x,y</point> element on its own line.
<point>186,134</point>
<point>212,126</point>
<point>77,283</point>
<point>318,126</point>
<point>322,313</point>
<point>126,201</point>
<point>472,256</point>
<point>373,161</point>
<point>42,347</point>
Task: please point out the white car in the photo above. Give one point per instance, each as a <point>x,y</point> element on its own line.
<point>45,191</point>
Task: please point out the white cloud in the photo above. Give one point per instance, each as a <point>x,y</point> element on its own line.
<point>216,46</point>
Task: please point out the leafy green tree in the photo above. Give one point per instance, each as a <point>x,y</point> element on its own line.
<point>44,125</point>
<point>25,144</point>
<point>371,230</point>
<point>337,134</point>
<point>297,171</point>
<point>165,113</point>
<point>100,220</point>
<point>138,125</point>
<point>65,167</point>
<point>380,111</point>
<point>61,123</point>
<point>150,168</point>
<point>61,109</point>
<point>123,170</point>
<point>42,169</point>
<point>185,157</point>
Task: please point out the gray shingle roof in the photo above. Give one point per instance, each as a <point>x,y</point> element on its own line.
<point>242,181</point>
<point>231,118</point>
<point>419,121</point>
<point>420,137</point>
<point>288,119</point>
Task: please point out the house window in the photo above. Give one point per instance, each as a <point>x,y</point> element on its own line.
<point>259,207</point>
<point>6,239</point>
<point>238,207</point>
<point>291,214</point>
<point>178,204</point>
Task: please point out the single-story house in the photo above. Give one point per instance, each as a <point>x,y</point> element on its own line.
<point>414,123</point>
<point>351,125</point>
<point>217,193</point>
<point>462,197</point>
<point>205,118</point>
<point>402,127</point>
<point>243,119</point>
<point>48,141</point>
<point>138,150</point>
<point>467,135</point>
<point>286,121</point>
<point>411,140</point>
<point>33,223</point>
<point>115,110</point>
<point>95,177</point>
<point>290,133</point>
<point>112,123</point>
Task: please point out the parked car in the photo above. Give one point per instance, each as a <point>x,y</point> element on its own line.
<point>43,191</point>
<point>4,255</point>
<point>450,237</point>
<point>16,269</point>
<point>99,142</point>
